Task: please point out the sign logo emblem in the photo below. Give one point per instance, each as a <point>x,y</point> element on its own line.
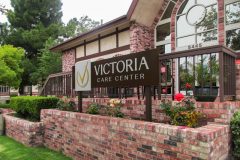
<point>82,80</point>
<point>83,76</point>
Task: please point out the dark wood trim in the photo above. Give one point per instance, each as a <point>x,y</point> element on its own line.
<point>148,100</point>
<point>73,77</point>
<point>199,51</point>
<point>221,75</point>
<point>80,104</point>
<point>96,39</point>
<point>75,54</point>
<point>117,38</point>
<point>238,55</point>
<point>99,43</point>
<point>85,48</point>
<point>132,8</point>
<point>119,49</point>
<point>229,51</point>
<point>105,26</point>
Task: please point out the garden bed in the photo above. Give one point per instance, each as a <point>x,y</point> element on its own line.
<point>217,112</point>
<point>84,136</point>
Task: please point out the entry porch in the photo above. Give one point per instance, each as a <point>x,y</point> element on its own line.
<point>209,74</point>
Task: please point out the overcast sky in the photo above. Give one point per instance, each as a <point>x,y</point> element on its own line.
<point>95,9</point>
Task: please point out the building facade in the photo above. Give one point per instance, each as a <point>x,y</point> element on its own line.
<point>175,27</point>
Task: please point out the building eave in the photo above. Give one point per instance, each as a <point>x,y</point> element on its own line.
<point>110,24</point>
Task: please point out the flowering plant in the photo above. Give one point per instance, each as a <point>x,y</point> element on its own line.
<point>114,108</point>
<point>93,108</point>
<point>188,86</point>
<point>183,112</point>
<point>66,104</point>
<point>179,97</point>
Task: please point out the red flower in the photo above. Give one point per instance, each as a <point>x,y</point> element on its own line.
<point>179,97</point>
<point>188,85</point>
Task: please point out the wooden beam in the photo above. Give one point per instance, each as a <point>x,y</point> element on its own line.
<point>148,100</point>
<point>80,102</point>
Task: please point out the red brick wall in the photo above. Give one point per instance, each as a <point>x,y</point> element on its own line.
<point>68,60</point>
<point>160,13</point>
<point>84,136</point>
<point>28,133</point>
<point>5,111</point>
<point>221,32</point>
<point>133,108</point>
<point>217,112</point>
<point>141,37</point>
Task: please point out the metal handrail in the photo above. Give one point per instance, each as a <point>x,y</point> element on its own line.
<point>53,76</point>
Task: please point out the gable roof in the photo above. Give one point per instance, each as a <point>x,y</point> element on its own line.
<point>141,11</point>
<point>67,44</point>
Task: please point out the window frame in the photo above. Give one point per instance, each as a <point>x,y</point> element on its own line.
<point>162,22</point>
<point>229,27</point>
<point>164,42</point>
<point>204,44</point>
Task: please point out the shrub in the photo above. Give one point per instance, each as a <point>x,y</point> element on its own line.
<point>13,95</point>
<point>235,128</point>
<point>93,108</point>
<point>113,108</point>
<point>66,104</point>
<point>2,105</point>
<point>182,113</point>
<point>30,107</point>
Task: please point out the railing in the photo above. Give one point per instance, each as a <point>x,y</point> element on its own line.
<point>59,84</point>
<point>4,91</point>
<point>205,73</point>
<point>209,71</point>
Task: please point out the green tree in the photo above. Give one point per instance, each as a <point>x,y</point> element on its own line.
<point>75,26</point>
<point>45,65</point>
<point>4,31</point>
<point>32,23</point>
<point>48,63</point>
<point>10,65</point>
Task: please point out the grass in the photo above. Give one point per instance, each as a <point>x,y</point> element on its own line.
<point>12,150</point>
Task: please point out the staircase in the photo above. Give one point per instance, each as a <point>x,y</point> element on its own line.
<point>59,84</point>
<point>4,94</point>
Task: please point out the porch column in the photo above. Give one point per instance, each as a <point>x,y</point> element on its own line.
<point>221,77</point>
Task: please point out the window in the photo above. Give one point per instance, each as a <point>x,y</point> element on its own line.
<point>196,23</point>
<point>232,22</point>
<point>162,32</point>
<point>201,72</point>
<point>163,41</point>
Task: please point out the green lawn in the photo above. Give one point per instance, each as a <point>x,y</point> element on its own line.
<point>12,150</point>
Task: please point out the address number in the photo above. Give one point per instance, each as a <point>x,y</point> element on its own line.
<point>195,46</point>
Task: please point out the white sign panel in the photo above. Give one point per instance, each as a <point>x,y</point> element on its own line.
<point>83,76</point>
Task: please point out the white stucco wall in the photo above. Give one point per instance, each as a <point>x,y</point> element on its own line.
<point>124,38</point>
<point>92,48</point>
<point>80,52</point>
<point>108,43</point>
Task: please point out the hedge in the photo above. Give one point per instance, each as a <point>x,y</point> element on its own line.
<point>29,107</point>
<point>235,128</point>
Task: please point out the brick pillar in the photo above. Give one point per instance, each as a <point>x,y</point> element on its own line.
<point>68,60</point>
<point>141,37</point>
